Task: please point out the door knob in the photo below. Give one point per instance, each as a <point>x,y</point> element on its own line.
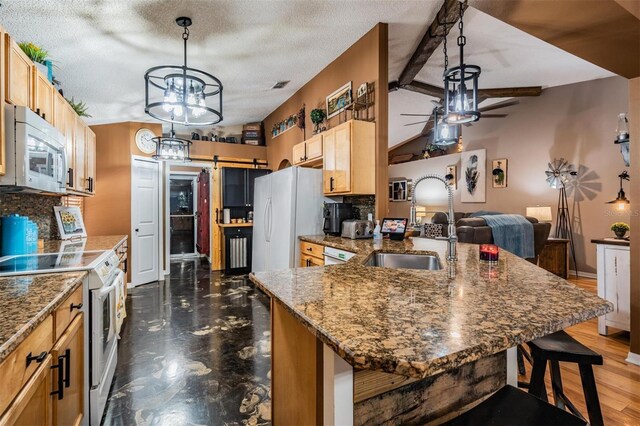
<point>137,230</point>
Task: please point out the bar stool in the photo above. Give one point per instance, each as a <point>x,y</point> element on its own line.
<point>560,347</point>
<point>512,406</point>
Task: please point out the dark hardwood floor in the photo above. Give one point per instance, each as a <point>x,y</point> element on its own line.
<point>195,350</point>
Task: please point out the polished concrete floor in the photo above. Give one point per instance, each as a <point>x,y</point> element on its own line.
<point>195,350</point>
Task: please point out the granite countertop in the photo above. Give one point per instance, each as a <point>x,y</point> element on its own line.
<point>104,242</point>
<point>612,241</point>
<point>26,300</point>
<point>420,323</point>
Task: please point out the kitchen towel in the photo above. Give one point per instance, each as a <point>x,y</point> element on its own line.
<point>120,311</point>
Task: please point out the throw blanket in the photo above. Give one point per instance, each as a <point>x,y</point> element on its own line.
<point>513,233</point>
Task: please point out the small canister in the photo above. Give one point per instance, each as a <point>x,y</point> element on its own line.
<point>14,235</point>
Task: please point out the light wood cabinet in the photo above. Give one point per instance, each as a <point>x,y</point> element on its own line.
<point>68,378</point>
<point>67,312</point>
<point>614,282</point>
<point>309,152</point>
<point>19,75</point>
<point>33,405</point>
<point>43,96</point>
<point>90,161</point>
<point>70,146</point>
<point>79,156</point>
<point>349,159</point>
<point>311,254</point>
<point>3,62</point>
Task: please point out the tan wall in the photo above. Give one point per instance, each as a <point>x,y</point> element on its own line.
<point>109,211</point>
<point>364,61</point>
<point>634,196</point>
<point>576,122</point>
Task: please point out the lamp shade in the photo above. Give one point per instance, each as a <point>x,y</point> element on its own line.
<point>542,213</point>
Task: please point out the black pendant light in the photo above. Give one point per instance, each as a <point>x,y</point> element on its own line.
<point>182,95</point>
<point>172,148</point>
<point>621,200</point>
<point>461,85</point>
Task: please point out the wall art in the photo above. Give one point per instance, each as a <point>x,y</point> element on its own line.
<point>473,168</point>
<point>70,223</point>
<point>452,175</point>
<point>339,100</point>
<point>499,173</point>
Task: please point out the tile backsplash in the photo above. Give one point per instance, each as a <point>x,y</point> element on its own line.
<point>362,205</point>
<point>39,208</point>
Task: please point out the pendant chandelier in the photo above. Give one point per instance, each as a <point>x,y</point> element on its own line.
<point>621,200</point>
<point>460,84</point>
<point>188,96</point>
<point>443,133</point>
<point>172,148</point>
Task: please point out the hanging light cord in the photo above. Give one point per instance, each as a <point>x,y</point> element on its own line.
<point>446,57</point>
<point>185,37</point>
<point>462,40</point>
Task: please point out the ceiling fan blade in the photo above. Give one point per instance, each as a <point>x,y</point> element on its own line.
<point>417,122</point>
<point>436,104</point>
<point>467,124</point>
<point>494,115</point>
<point>417,115</point>
<point>499,105</point>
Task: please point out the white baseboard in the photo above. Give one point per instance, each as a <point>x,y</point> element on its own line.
<point>584,274</point>
<point>633,358</point>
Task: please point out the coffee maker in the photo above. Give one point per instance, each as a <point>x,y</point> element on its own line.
<point>334,214</point>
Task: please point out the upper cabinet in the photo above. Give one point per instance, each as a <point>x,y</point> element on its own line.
<point>43,96</point>
<point>79,164</point>
<point>3,61</point>
<point>19,75</point>
<point>309,152</point>
<point>237,186</point>
<point>90,160</point>
<point>349,159</point>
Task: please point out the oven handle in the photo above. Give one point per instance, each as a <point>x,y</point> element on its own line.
<point>102,293</point>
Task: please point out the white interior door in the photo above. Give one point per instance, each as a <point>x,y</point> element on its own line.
<point>145,221</point>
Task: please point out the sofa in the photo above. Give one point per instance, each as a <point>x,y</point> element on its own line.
<point>474,230</point>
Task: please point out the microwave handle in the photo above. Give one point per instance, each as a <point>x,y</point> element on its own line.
<point>70,173</point>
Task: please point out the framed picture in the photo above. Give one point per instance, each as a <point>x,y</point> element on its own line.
<point>473,167</point>
<point>338,100</point>
<point>499,172</point>
<point>70,222</point>
<point>452,175</point>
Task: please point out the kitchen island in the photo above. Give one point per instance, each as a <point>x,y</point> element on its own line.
<point>368,345</point>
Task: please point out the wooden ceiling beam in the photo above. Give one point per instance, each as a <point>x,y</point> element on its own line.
<point>510,92</point>
<point>424,88</point>
<point>431,40</point>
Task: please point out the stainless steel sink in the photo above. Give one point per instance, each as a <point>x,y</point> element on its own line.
<point>405,261</point>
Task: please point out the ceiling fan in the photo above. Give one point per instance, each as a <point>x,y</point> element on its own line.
<point>438,105</point>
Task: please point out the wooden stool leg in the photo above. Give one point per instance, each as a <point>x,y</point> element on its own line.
<point>536,386</point>
<point>556,384</point>
<point>591,395</point>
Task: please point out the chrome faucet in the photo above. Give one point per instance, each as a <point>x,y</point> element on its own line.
<point>453,237</point>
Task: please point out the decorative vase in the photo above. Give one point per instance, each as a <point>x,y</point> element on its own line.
<point>620,234</point>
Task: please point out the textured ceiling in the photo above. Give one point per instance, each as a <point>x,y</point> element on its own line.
<point>103,47</point>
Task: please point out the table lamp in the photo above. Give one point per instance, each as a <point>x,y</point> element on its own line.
<point>542,213</point>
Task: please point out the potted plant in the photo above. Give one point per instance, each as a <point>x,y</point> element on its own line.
<point>79,107</point>
<point>433,151</point>
<point>620,229</point>
<point>317,117</point>
<point>39,56</point>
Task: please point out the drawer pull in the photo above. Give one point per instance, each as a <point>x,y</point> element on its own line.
<point>36,358</point>
<point>74,306</point>
<point>60,366</point>
<point>309,249</point>
<point>67,368</point>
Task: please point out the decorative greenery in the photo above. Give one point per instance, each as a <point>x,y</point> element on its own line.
<point>34,52</point>
<point>318,115</point>
<point>620,227</point>
<point>79,107</point>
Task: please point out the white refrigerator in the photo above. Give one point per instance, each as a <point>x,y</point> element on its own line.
<point>287,204</point>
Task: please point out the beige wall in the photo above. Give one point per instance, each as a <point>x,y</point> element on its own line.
<point>576,122</point>
<point>365,61</point>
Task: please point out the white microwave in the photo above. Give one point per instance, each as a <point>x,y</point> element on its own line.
<point>35,154</point>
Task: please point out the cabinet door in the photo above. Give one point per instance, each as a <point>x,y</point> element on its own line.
<point>342,173</point>
<point>233,187</point>
<point>70,146</point>
<point>33,405</point>
<point>3,61</point>
<point>299,153</point>
<point>19,75</point>
<point>43,96</point>
<point>617,280</point>
<point>59,110</point>
<point>329,161</point>
<point>68,408</point>
<point>314,148</point>
<point>79,169</point>
<point>252,174</point>
<point>90,156</point>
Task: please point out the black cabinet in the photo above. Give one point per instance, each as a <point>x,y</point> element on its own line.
<point>237,186</point>
<point>237,250</point>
